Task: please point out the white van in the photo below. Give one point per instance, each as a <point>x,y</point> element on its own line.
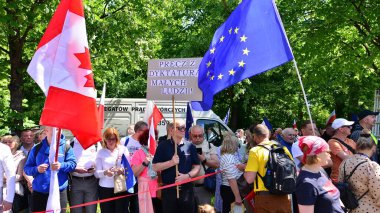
<point>122,112</point>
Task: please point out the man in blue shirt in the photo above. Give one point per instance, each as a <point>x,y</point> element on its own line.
<point>188,167</point>
<point>37,165</point>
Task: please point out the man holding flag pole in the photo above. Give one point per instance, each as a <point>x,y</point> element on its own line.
<point>61,66</point>
<point>50,175</point>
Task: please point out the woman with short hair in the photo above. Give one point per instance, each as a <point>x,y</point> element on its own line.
<point>315,192</point>
<point>228,164</point>
<point>365,181</point>
<point>108,164</point>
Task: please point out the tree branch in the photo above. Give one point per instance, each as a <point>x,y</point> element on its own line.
<point>225,6</point>
<point>4,50</point>
<point>105,15</point>
<point>31,24</point>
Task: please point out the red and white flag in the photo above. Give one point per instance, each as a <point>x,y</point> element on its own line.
<point>62,68</point>
<point>294,124</point>
<point>101,107</point>
<point>152,145</point>
<point>52,205</point>
<point>151,110</point>
<point>331,118</point>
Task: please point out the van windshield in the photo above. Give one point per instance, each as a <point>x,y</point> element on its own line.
<point>214,131</point>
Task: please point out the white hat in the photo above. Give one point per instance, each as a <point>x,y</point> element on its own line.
<point>339,122</point>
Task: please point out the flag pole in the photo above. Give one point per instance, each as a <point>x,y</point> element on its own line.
<point>304,94</point>
<point>58,139</point>
<point>175,143</point>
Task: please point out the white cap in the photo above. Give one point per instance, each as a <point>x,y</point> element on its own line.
<point>339,122</point>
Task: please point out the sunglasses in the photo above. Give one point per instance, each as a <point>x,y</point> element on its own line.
<point>181,128</point>
<point>111,139</point>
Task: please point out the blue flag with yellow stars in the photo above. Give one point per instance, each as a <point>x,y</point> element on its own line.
<point>130,178</point>
<point>251,41</point>
<point>189,121</point>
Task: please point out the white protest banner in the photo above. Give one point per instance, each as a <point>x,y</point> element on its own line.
<point>178,77</point>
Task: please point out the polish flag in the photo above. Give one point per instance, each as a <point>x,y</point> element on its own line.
<point>101,107</point>
<point>152,137</point>
<point>151,110</point>
<point>294,124</point>
<point>331,118</point>
<point>61,66</point>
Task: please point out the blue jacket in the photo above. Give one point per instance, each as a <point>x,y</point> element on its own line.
<point>41,182</point>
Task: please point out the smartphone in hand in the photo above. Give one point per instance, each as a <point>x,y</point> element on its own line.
<point>199,151</point>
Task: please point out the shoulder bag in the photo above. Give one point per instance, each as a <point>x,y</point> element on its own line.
<point>120,181</point>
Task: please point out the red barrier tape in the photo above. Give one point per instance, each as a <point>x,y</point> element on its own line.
<point>123,196</point>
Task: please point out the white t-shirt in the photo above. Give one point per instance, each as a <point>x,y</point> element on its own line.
<point>296,152</point>
<point>85,158</point>
<point>132,146</point>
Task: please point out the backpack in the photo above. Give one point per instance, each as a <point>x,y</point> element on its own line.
<point>281,173</point>
<point>346,195</point>
<point>39,146</point>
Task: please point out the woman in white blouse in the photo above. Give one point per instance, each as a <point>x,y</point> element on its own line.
<point>19,201</point>
<point>229,165</point>
<point>108,163</point>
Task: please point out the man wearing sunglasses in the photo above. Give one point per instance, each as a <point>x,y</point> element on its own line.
<point>340,145</point>
<point>188,163</point>
<point>367,120</point>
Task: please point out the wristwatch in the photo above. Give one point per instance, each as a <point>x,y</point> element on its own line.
<point>145,164</point>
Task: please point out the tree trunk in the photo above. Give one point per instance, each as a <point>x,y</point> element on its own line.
<point>16,83</point>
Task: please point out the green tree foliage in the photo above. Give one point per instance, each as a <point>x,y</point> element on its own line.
<point>336,46</point>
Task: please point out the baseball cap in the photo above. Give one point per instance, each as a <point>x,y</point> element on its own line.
<point>364,113</point>
<point>339,122</point>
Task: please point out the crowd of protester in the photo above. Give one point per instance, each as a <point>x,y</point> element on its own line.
<point>344,151</point>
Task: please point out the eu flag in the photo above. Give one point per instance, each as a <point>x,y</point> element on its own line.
<point>189,121</point>
<point>251,41</point>
<point>131,180</point>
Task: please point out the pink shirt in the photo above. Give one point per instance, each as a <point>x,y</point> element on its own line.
<point>137,159</point>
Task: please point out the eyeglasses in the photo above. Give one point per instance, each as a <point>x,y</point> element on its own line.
<point>197,136</point>
<point>111,139</point>
<point>181,128</point>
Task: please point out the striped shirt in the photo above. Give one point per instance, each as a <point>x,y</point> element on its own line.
<point>228,163</point>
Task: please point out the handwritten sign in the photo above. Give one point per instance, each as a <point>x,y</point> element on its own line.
<point>178,77</point>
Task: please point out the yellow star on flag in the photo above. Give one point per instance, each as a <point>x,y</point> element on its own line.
<point>231,72</point>
<point>230,30</point>
<point>221,39</point>
<point>236,30</point>
<point>246,51</point>
<point>208,73</point>
<point>243,38</point>
<point>241,63</point>
<point>212,78</point>
<point>212,51</point>
<point>208,64</point>
<point>220,76</point>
